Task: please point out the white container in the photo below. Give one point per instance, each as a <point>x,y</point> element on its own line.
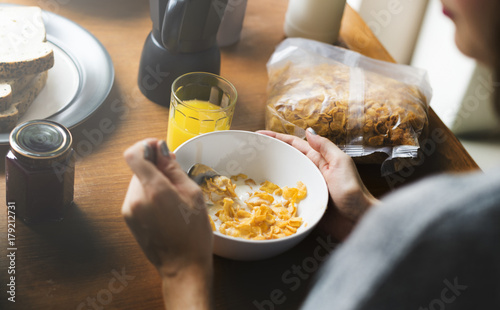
<point>314,19</point>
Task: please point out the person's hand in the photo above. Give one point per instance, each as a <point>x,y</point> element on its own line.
<point>350,197</point>
<point>166,213</point>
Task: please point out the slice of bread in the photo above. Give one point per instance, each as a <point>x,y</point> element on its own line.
<point>21,102</point>
<point>9,87</point>
<point>23,46</point>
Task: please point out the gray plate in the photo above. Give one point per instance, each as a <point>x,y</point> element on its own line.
<point>91,60</point>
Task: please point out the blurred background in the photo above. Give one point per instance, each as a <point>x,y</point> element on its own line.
<point>417,33</point>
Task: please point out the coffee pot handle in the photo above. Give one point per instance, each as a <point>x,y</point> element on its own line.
<point>172,23</point>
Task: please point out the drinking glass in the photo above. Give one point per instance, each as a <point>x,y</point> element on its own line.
<point>200,102</point>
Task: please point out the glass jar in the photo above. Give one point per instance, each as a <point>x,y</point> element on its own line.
<point>40,171</point>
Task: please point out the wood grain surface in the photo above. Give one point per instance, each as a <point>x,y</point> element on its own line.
<point>90,260</point>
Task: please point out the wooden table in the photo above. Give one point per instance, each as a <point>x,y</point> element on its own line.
<point>90,260</point>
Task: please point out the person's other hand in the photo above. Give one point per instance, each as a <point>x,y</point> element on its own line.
<point>166,213</point>
<point>350,196</point>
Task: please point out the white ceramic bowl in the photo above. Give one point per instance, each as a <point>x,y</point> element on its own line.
<point>261,158</point>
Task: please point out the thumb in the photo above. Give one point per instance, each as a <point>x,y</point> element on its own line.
<point>327,149</point>
<point>167,164</point>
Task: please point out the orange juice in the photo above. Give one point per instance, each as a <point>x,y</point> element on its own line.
<point>192,118</point>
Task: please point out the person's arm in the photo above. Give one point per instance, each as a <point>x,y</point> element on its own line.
<point>190,288</point>
<point>165,211</point>
<point>350,196</point>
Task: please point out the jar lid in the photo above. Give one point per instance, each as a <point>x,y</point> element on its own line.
<point>40,139</point>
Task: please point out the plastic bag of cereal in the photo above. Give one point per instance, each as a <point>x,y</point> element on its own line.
<point>376,111</point>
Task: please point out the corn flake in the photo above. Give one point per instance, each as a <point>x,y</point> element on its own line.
<point>268,213</point>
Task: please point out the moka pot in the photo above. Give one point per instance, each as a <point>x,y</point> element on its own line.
<point>183,40</point>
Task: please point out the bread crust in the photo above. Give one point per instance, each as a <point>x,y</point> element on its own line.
<point>19,68</point>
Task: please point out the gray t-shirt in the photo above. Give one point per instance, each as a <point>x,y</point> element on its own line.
<point>432,245</point>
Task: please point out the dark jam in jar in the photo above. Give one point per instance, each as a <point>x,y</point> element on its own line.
<point>40,171</point>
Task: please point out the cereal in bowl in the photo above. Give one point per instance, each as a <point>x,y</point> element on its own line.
<point>239,207</point>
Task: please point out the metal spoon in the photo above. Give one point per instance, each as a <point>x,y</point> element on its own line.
<point>200,173</point>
